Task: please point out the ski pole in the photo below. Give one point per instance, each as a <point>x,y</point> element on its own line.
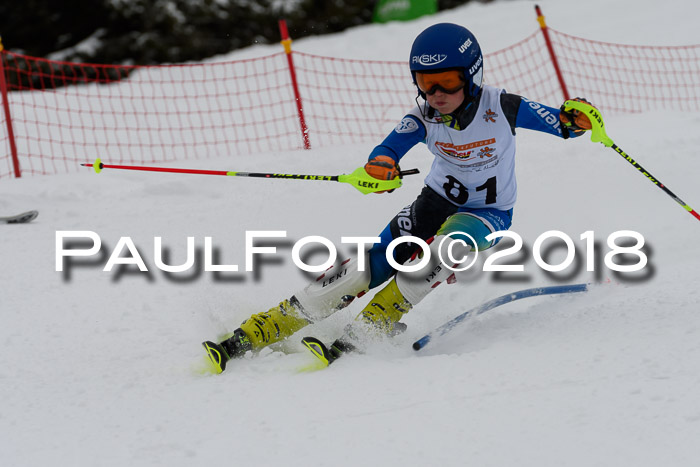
<point>496,302</point>
<point>359,179</point>
<point>598,135</point>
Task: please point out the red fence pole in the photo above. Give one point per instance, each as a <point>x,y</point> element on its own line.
<point>8,117</point>
<point>545,32</point>
<point>287,43</point>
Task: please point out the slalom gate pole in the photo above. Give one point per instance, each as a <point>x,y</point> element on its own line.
<point>502,300</point>
<point>359,179</point>
<point>8,115</point>
<point>598,135</point>
<point>550,49</point>
<point>287,44</point>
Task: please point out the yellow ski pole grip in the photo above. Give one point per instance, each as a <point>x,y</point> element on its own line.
<point>598,134</point>
<point>365,183</point>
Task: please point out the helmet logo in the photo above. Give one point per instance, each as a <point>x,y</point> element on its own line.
<point>429,59</point>
<point>475,66</point>
<point>463,48</point>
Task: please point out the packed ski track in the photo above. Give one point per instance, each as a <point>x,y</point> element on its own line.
<point>106,368</point>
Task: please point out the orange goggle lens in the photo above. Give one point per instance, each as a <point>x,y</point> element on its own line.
<point>447,81</point>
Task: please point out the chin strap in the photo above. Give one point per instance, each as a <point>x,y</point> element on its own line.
<point>428,113</point>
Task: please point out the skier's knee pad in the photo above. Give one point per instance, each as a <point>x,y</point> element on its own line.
<point>334,289</point>
<point>462,226</point>
<point>415,285</point>
<point>471,228</point>
<point>478,224</point>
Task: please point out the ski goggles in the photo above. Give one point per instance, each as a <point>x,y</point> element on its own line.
<point>448,82</point>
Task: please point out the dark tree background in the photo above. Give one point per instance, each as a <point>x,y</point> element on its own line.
<point>144,32</point>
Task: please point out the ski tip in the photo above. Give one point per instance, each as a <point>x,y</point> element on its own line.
<point>217,356</point>
<point>20,218</point>
<point>318,349</point>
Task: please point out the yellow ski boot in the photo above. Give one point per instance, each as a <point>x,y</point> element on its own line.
<point>274,325</point>
<point>386,308</point>
<point>258,331</point>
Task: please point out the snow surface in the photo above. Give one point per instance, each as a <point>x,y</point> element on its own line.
<point>104,369</point>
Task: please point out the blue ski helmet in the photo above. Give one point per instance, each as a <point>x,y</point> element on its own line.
<point>449,46</point>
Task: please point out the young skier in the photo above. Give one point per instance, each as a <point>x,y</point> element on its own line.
<point>471,188</point>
